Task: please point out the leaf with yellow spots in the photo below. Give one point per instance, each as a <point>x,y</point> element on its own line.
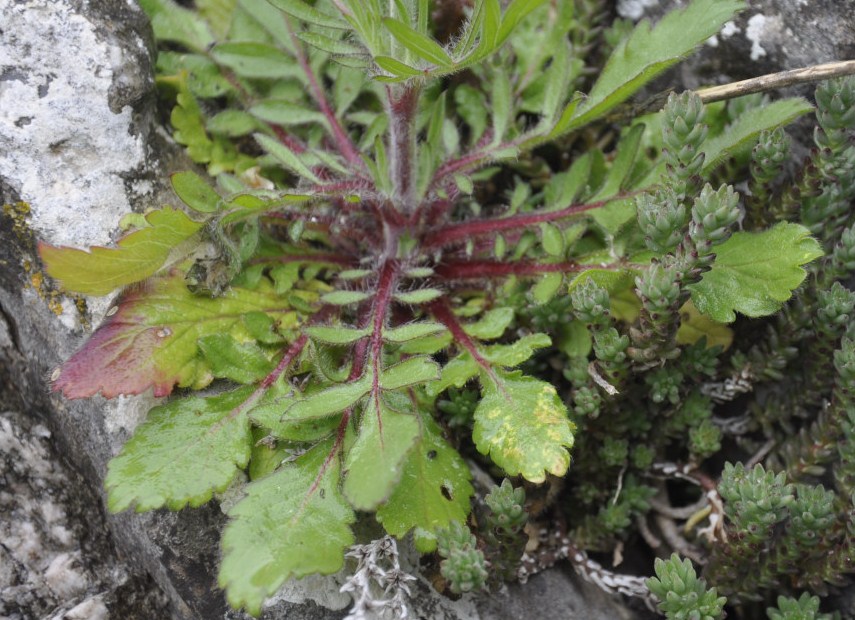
<point>522,425</point>
<point>694,326</point>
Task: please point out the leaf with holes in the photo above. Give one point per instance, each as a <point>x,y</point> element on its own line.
<point>151,340</point>
<point>522,425</point>
<point>434,490</point>
<point>290,524</point>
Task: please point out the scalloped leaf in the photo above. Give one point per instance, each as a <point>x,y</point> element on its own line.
<point>434,490</point>
<point>290,524</point>
<point>138,255</point>
<point>150,341</point>
<point>183,453</point>
<point>755,273</point>
<point>522,425</point>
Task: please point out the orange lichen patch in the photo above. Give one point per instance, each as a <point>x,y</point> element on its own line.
<point>18,214</point>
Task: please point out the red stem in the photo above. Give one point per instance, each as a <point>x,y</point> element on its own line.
<point>441,311</point>
<point>457,232</point>
<point>382,300</point>
<point>345,144</point>
<point>287,139</point>
<point>463,270</point>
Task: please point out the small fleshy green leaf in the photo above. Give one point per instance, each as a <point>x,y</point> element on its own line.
<point>292,523</point>
<point>412,331</point>
<point>421,296</point>
<point>419,44</point>
<point>185,451</point>
<point>195,192</point>
<point>329,401</point>
<point>755,273</point>
<point>337,335</point>
<point>228,359</point>
<point>412,371</point>
<point>522,425</point>
<point>138,255</point>
<point>433,491</point>
<point>344,298</point>
<point>373,463</point>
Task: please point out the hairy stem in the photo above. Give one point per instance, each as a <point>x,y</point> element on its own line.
<point>441,311</point>
<point>463,270</point>
<point>403,106</point>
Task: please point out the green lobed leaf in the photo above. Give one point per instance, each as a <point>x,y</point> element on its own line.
<point>755,273</point>
<point>396,67</point>
<point>522,425</point>
<point>286,157</point>
<point>285,113</point>
<point>373,463</point>
<point>433,491</point>
<point>150,341</point>
<point>292,523</point>
<point>421,296</point>
<point>183,453</point>
<point>344,298</point>
<point>138,255</point>
<point>172,22</point>
<point>308,14</point>
<point>516,353</point>
<point>492,325</point>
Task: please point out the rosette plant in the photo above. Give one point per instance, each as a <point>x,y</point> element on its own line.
<point>388,192</point>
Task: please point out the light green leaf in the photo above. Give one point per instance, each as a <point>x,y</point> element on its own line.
<point>337,47</point>
<point>409,372</point>
<point>228,359</point>
<point>337,335</point>
<point>373,463</point>
<point>421,296</point>
<point>195,192</point>
<point>755,273</point>
<point>500,99</point>
<point>344,298</point>
<point>285,113</point>
<point>411,331</point>
<point>172,22</point>
<point>138,255</point>
<point>522,425</point>
<point>329,401</point>
<point>433,491</point>
<point>743,133</point>
<point>547,287</point>
<point>254,60</point>
<point>183,453</point>
<point>286,157</point>
<point>455,373</point>
<point>694,326</point>
<point>232,123</point>
<point>396,67</point>
<point>289,524</point>
<point>515,13</point>
<point>552,239</point>
<point>517,352</point>
<point>647,53</point>
<point>492,325</point>
<point>419,44</point>
<point>308,14</point>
